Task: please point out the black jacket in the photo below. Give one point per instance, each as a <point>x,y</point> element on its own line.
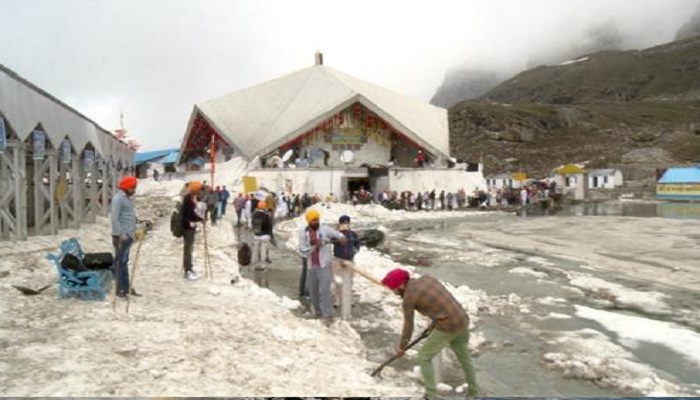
<point>188,215</point>
<point>262,223</point>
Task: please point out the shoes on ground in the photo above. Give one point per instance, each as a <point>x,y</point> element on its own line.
<point>121,295</point>
<point>267,260</point>
<point>191,275</point>
<point>132,292</point>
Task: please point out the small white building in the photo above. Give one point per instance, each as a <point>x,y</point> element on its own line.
<point>571,178</point>
<point>500,181</point>
<point>604,178</point>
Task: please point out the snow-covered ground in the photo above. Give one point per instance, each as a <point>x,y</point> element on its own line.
<point>213,338</point>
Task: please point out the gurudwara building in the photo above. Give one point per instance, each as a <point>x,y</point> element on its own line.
<point>319,130</point>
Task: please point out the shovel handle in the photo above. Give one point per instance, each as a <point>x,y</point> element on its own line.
<point>396,356</point>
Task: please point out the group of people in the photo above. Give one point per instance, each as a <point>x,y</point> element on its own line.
<point>328,251</point>
<point>324,249</point>
<point>215,200</point>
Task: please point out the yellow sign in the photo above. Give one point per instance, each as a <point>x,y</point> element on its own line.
<point>688,189</point>
<point>250,184</point>
<point>519,176</point>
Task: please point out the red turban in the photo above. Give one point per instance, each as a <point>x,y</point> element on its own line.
<point>128,183</point>
<point>396,278</point>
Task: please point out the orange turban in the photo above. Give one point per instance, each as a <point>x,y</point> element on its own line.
<point>128,183</point>
<point>194,186</point>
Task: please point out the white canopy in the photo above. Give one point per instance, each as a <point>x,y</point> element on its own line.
<point>24,106</point>
<point>258,119</point>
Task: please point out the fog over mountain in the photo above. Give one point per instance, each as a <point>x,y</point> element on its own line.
<point>691,28</point>
<point>155,59</point>
<point>472,78</point>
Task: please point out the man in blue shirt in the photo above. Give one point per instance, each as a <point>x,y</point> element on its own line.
<point>124,232</point>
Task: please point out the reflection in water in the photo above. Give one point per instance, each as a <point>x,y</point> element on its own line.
<point>650,210</point>
<point>678,210</point>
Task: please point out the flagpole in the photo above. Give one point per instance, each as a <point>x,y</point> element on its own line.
<point>212,151</point>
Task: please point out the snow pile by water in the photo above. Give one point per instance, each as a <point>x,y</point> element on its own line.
<point>650,302</point>
<point>590,355</point>
<point>631,330</point>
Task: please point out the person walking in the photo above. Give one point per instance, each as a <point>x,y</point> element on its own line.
<point>212,199</point>
<point>123,218</point>
<point>314,244</point>
<point>248,211</point>
<point>344,254</point>
<point>450,322</point>
<point>262,234</point>
<point>190,218</point>
<point>238,205</point>
<point>223,198</point>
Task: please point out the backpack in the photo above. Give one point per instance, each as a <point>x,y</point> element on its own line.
<point>244,254</point>
<point>258,221</point>
<point>73,263</point>
<point>177,221</point>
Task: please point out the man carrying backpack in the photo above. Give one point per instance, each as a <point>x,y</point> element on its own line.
<point>262,234</point>
<point>344,254</point>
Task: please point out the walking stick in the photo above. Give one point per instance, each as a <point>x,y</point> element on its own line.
<point>396,356</point>
<point>207,261</point>
<point>116,277</point>
<point>133,272</point>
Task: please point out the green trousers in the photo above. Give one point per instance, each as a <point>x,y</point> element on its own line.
<point>434,343</point>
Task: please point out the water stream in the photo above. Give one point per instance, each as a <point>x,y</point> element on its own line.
<point>512,362</point>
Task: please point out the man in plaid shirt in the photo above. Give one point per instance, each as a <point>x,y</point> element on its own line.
<point>238,204</point>
<point>450,322</point>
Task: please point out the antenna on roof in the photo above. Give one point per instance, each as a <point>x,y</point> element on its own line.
<point>319,58</point>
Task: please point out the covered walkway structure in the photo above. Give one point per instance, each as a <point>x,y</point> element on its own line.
<point>58,168</point>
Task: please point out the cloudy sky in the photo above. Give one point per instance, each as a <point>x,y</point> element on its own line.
<point>155,59</point>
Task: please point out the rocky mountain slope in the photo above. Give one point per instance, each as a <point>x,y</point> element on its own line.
<point>666,72</point>
<point>636,137</point>
<point>634,110</point>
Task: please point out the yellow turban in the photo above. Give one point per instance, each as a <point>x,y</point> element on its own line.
<point>312,215</point>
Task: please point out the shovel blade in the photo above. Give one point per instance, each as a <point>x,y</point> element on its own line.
<point>31,292</point>
<point>26,290</point>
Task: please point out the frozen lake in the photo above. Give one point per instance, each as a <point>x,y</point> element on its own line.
<point>567,302</point>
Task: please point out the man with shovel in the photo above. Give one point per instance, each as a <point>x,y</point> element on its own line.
<point>451,324</point>
<point>124,232</point>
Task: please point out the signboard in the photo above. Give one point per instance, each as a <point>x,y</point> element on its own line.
<point>519,176</point>
<point>65,151</point>
<point>39,145</point>
<point>250,184</point>
<point>3,136</point>
<point>678,191</point>
<point>347,136</point>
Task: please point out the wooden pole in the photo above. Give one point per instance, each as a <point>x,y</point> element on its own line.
<point>346,291</point>
<point>53,178</point>
<point>133,273</point>
<point>77,182</point>
<point>212,155</point>
<point>20,172</point>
